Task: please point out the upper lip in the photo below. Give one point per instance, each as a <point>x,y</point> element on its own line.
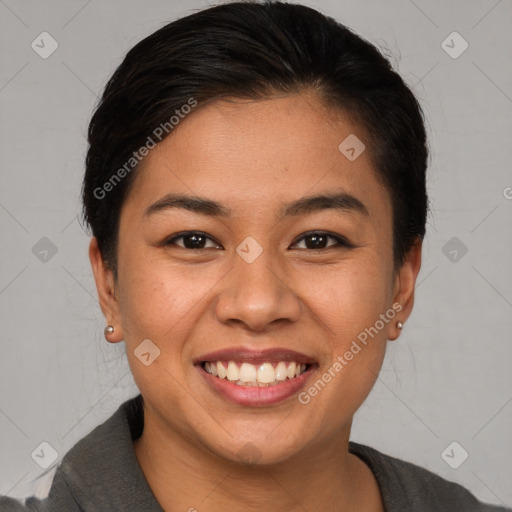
<point>255,356</point>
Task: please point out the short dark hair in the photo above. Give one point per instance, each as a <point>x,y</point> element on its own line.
<point>254,50</point>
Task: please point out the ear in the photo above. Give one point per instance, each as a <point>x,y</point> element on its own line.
<point>105,285</point>
<point>405,283</point>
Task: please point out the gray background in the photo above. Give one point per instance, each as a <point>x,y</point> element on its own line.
<point>448,376</point>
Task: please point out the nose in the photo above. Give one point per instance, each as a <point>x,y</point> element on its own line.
<point>256,295</point>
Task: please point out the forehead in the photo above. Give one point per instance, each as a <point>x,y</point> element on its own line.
<point>256,155</point>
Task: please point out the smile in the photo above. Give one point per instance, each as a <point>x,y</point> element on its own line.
<point>255,375</point>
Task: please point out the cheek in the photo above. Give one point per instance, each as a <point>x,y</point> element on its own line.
<point>360,320</point>
<point>151,303</point>
<point>351,296</point>
<point>158,300</point>
<point>158,303</point>
<point>349,308</point>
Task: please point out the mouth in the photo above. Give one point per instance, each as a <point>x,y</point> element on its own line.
<point>256,378</point>
<point>261,375</point>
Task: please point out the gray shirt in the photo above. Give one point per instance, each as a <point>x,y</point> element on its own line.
<point>101,474</point>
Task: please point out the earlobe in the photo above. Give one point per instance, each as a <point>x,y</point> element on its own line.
<point>106,288</point>
<point>405,284</point>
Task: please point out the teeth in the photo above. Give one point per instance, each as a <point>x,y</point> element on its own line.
<point>233,371</point>
<point>248,374</point>
<point>266,373</point>
<point>290,373</point>
<point>221,371</point>
<point>281,373</point>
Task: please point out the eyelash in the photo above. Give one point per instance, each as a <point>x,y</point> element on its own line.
<point>341,240</point>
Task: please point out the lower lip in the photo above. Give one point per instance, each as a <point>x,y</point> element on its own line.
<point>256,396</point>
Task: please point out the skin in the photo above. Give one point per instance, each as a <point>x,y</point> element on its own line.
<point>253,157</point>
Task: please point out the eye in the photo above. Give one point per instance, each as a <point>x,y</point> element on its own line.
<point>319,240</point>
<point>313,240</point>
<point>192,240</point>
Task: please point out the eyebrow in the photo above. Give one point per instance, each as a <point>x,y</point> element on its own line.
<point>341,201</point>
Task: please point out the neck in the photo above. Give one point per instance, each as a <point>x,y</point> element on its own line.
<point>184,476</point>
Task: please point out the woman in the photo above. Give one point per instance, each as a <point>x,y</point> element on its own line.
<point>255,185</point>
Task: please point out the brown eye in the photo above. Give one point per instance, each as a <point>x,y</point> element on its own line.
<point>320,240</point>
<point>192,240</point>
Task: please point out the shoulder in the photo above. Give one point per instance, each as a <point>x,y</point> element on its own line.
<point>12,505</point>
<point>406,486</point>
<point>88,477</point>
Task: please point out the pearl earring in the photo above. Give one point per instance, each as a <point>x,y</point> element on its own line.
<point>109,329</point>
<point>400,325</point>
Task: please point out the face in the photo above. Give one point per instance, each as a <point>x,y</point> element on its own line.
<point>253,270</point>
